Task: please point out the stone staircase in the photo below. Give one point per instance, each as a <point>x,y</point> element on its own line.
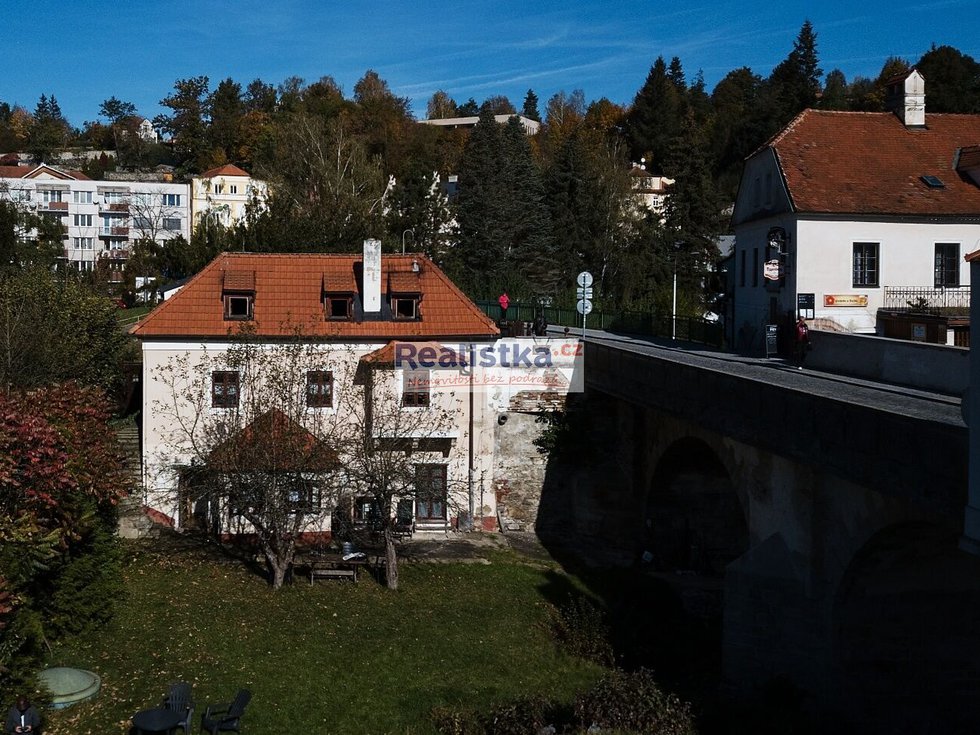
<point>133,521</point>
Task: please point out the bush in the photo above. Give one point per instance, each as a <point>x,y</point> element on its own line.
<point>633,702</point>
<point>580,628</point>
<point>456,721</point>
<point>519,717</point>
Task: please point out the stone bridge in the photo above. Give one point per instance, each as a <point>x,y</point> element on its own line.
<point>827,509</point>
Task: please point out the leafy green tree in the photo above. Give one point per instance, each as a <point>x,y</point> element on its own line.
<point>498,105</point>
<point>259,97</point>
<point>382,120</point>
<point>54,329</point>
<point>952,80</point>
<point>114,109</point>
<point>740,124</point>
<point>28,240</point>
<point>834,95</point>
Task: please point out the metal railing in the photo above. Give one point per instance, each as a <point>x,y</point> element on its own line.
<point>918,298</point>
<point>686,328</point>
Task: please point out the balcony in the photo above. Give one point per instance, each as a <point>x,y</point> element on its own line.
<point>114,232</point>
<point>54,207</point>
<point>121,207</point>
<point>950,300</point>
<point>116,254</point>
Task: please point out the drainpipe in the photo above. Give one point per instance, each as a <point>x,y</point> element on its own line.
<point>970,540</point>
<point>471,469</point>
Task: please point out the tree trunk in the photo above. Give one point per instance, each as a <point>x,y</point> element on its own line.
<point>391,560</point>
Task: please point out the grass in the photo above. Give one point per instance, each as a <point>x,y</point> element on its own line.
<point>330,658</point>
<point>129,317</point>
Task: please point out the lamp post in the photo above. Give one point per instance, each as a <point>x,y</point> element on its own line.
<point>673,307</point>
<point>403,238</point>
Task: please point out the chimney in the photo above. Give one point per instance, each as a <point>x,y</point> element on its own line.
<point>372,277</point>
<point>906,97</point>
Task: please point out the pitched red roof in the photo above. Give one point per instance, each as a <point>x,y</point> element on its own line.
<point>288,291</point>
<point>227,170</point>
<point>22,172</point>
<point>870,163</point>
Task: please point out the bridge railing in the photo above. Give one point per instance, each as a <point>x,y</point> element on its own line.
<point>686,328</point>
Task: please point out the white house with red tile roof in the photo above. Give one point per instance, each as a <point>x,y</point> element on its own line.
<point>853,212</point>
<point>349,311</point>
<point>223,193</point>
<point>102,219</point>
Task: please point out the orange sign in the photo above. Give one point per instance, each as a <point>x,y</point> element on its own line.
<point>845,299</point>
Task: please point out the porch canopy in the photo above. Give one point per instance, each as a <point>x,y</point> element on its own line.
<point>273,443</point>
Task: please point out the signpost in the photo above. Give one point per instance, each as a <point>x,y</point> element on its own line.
<point>772,334</point>
<point>584,295</point>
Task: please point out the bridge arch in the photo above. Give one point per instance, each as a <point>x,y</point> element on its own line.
<point>905,633</point>
<point>693,517</point>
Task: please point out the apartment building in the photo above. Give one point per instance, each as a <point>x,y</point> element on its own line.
<point>102,219</point>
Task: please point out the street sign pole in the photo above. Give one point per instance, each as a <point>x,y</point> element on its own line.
<point>584,293</point>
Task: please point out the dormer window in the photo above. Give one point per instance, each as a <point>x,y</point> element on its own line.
<point>337,293</point>
<point>405,307</point>
<point>405,292</point>
<point>338,306</point>
<point>238,295</point>
<point>238,306</point>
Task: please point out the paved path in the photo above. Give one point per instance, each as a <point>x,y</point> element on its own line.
<point>897,399</point>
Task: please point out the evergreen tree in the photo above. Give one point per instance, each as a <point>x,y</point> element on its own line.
<point>188,122</point>
<point>530,108</point>
<point>469,108</point>
<point>259,97</point>
<point>835,91</point>
<point>49,130</point>
<point>655,117</point>
<point>227,109</point>
<point>795,82</point>
<point>693,216</point>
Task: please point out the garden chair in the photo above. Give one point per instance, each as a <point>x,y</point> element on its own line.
<point>225,717</point>
<point>179,700</point>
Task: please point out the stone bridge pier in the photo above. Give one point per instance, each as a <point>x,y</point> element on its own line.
<point>831,530</point>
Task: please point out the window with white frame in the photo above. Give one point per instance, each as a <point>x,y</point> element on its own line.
<point>116,197</point>
<point>232,188</point>
<point>82,220</point>
<point>865,265</point>
<point>947,264</point>
<point>415,388</point>
<point>171,223</point>
<point>171,200</point>
<point>84,243</point>
<point>82,197</point>
<point>48,196</point>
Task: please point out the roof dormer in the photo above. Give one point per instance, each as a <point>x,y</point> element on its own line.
<point>337,293</point>
<point>238,295</point>
<point>405,293</point>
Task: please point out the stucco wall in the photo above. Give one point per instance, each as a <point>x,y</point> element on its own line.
<point>930,367</point>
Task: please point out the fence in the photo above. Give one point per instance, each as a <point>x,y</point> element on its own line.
<point>688,328</point>
<point>915,298</point>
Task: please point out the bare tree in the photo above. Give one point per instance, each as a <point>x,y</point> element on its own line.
<point>271,441</point>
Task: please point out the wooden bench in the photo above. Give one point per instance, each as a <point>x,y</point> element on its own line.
<point>334,569</point>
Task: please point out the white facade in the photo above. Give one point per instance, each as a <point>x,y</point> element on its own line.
<point>166,450</point>
<point>103,219</point>
<point>223,194</point>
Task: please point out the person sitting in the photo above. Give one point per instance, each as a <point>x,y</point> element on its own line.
<point>540,328</point>
<point>23,718</point>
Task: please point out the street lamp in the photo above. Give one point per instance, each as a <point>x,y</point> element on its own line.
<point>403,238</point>
<point>673,308</point>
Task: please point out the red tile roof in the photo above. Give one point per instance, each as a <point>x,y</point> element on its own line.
<point>21,172</point>
<point>870,163</point>
<point>227,170</point>
<point>288,290</point>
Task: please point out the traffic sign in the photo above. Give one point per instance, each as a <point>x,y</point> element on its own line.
<point>584,279</point>
<point>584,307</point>
<point>583,293</point>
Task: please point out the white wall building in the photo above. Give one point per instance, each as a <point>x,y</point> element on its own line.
<point>854,212</point>
<point>103,219</point>
<point>223,194</point>
<point>351,310</point>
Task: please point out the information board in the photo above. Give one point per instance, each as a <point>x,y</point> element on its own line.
<point>772,334</point>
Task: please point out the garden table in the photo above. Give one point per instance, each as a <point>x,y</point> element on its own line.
<point>158,719</point>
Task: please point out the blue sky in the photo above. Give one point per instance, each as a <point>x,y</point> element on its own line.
<point>86,52</point>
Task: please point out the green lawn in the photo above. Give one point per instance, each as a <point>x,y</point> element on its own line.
<point>331,658</point>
